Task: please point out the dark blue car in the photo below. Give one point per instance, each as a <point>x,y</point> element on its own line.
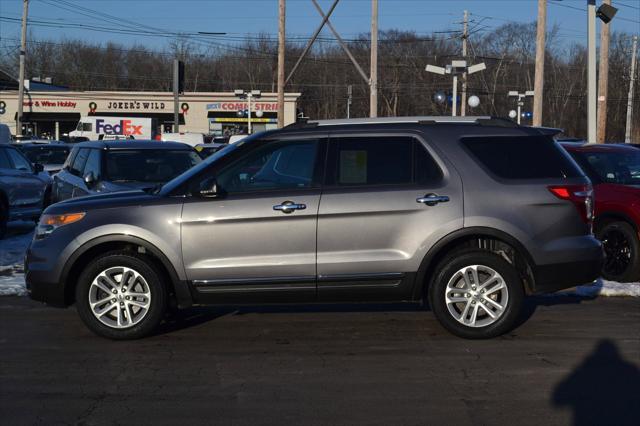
<point>100,167</point>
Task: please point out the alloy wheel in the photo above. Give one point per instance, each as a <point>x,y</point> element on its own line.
<point>119,297</point>
<point>618,252</point>
<point>476,296</point>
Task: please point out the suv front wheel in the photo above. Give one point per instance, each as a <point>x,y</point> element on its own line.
<point>476,294</point>
<point>121,295</point>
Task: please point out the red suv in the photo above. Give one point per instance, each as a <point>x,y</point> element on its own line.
<point>614,171</point>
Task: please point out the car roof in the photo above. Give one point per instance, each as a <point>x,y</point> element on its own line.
<point>42,145</point>
<point>599,148</point>
<point>134,144</point>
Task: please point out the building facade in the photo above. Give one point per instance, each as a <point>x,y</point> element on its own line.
<point>55,113</point>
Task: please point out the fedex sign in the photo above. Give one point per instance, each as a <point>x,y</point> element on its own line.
<point>124,127</point>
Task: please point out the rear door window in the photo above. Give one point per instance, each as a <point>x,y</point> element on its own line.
<point>521,157</point>
<point>373,161</point>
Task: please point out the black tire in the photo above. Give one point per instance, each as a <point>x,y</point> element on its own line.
<point>154,279</point>
<point>447,269</point>
<point>622,248</point>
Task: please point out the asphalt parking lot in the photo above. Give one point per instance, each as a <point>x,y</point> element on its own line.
<point>573,361</point>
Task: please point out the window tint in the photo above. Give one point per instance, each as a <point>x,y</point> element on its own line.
<point>93,164</point>
<point>48,154</point>
<point>611,167</point>
<point>273,166</point>
<point>70,158</point>
<point>78,163</point>
<point>87,127</point>
<point>383,161</point>
<point>148,165</point>
<point>19,161</point>
<point>522,157</point>
<point>4,160</point>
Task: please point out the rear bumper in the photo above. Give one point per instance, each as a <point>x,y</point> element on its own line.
<point>584,268</point>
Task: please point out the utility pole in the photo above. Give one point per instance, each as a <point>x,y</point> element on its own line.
<point>373,108</point>
<point>465,35</point>
<point>632,77</point>
<point>178,81</point>
<point>349,100</point>
<point>281,50</point>
<point>603,82</point>
<point>23,52</point>
<point>538,86</point>
<point>591,72</point>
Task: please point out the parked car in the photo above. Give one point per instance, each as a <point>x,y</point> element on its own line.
<point>24,187</point>
<point>468,213</point>
<point>52,155</point>
<point>614,171</point>
<point>190,138</point>
<point>111,166</point>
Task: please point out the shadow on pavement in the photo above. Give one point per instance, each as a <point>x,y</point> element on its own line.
<point>191,317</point>
<point>603,390</point>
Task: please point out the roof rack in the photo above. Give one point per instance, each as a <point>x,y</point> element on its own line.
<point>486,120</point>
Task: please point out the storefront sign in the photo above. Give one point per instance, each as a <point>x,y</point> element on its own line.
<point>50,104</point>
<point>117,105</point>
<point>236,106</point>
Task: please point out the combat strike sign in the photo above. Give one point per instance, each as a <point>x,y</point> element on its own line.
<point>135,105</point>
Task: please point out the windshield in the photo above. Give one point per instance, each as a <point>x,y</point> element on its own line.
<point>613,166</point>
<point>146,165</point>
<point>46,154</point>
<point>175,183</point>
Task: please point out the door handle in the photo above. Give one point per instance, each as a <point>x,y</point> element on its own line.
<point>433,199</point>
<point>289,207</point>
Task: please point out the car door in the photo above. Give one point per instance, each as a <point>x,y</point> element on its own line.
<point>387,199</point>
<point>28,190</point>
<point>257,241</point>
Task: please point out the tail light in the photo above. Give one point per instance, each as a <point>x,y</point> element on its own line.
<point>580,195</point>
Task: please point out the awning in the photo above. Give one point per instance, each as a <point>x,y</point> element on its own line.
<point>49,116</point>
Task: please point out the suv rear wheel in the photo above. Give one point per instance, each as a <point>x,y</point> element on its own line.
<point>476,294</point>
<point>621,245</point>
<point>121,295</point>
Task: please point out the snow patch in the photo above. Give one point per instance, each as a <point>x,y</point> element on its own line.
<point>12,251</point>
<point>608,288</point>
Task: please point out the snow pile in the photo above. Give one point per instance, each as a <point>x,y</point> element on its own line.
<point>12,251</point>
<point>607,288</point>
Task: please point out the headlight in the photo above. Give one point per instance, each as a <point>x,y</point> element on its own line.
<point>50,222</point>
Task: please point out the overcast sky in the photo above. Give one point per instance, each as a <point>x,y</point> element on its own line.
<point>58,19</point>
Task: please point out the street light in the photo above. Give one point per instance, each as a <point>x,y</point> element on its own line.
<point>606,13</point>
<point>456,68</point>
<point>520,96</point>
<point>242,94</point>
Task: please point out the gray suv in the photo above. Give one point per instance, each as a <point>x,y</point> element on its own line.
<point>466,214</point>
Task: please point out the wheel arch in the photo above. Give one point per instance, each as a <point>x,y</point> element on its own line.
<point>481,238</point>
<point>89,250</point>
<point>602,219</point>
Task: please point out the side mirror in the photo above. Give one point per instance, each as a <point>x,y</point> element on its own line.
<point>90,179</point>
<point>37,167</point>
<point>209,189</point>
